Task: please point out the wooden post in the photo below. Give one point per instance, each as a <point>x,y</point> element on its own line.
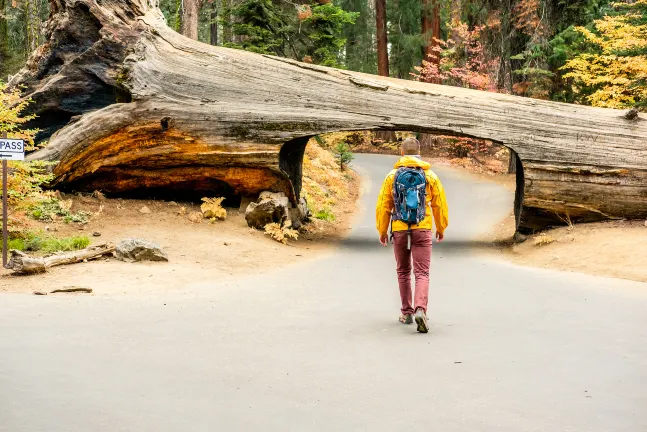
<point>5,232</point>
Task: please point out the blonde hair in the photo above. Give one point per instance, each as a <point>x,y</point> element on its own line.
<point>411,147</point>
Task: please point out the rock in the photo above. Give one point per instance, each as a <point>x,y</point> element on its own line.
<point>96,234</point>
<point>270,208</point>
<point>646,222</point>
<point>196,217</point>
<point>275,207</point>
<point>145,210</point>
<point>172,203</point>
<point>299,214</point>
<point>519,238</point>
<point>98,195</point>
<point>134,249</point>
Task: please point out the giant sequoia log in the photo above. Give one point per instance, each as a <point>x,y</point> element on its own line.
<point>136,106</point>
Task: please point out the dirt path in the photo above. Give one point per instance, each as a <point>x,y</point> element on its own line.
<point>197,251</point>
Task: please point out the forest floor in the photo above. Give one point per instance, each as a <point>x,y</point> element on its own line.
<point>204,251</point>
<point>198,250</point>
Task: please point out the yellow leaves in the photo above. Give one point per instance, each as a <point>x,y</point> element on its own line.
<point>212,209</point>
<point>11,118</point>
<point>281,233</point>
<point>612,77</point>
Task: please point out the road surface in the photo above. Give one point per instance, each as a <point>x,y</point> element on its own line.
<point>317,346</point>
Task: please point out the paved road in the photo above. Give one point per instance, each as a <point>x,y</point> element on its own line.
<point>316,346</point>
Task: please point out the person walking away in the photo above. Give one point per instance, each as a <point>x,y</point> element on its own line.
<point>410,194</point>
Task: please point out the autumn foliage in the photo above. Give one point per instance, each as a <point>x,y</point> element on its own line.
<point>463,61</point>
<point>613,74</point>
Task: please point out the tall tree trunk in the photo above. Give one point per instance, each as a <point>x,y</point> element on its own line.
<point>505,65</point>
<point>455,18</point>
<point>190,17</point>
<point>4,39</point>
<point>225,17</point>
<point>33,24</point>
<point>431,32</point>
<point>213,24</point>
<point>382,38</point>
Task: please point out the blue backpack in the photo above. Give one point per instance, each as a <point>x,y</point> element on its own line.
<point>409,195</point>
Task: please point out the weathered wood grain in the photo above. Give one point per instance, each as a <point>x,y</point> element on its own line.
<point>21,263</point>
<point>198,117</point>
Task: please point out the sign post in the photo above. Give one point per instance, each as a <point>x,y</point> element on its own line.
<point>10,149</point>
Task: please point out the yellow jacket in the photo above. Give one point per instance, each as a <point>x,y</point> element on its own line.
<point>435,200</point>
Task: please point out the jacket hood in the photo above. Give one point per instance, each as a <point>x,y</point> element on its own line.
<point>412,161</point>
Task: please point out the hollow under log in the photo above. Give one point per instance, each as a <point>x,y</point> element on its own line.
<point>132,105</point>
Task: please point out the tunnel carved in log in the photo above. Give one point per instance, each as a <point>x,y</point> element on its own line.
<point>171,112</point>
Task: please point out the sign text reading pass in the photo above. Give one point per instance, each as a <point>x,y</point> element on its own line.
<point>12,149</point>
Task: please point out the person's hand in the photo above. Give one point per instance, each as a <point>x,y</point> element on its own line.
<point>439,236</point>
<point>384,240</point>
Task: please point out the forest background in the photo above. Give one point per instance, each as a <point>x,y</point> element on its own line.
<point>590,52</point>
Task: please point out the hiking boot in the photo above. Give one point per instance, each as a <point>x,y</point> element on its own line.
<point>406,318</point>
<point>421,320</point>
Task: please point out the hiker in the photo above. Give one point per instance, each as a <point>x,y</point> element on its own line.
<point>409,196</point>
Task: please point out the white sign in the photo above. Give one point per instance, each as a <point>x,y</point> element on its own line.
<point>12,149</point>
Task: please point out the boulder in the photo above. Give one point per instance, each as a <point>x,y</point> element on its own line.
<point>299,214</point>
<point>275,207</point>
<point>270,208</point>
<point>133,249</point>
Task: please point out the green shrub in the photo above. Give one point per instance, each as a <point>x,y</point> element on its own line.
<point>325,214</point>
<point>40,242</point>
<point>50,209</point>
<point>343,154</point>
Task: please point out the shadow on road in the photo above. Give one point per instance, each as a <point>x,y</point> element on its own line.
<point>447,246</point>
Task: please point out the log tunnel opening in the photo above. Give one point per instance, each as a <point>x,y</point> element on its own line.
<point>292,153</point>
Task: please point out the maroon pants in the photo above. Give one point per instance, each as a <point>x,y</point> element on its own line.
<point>420,254</point>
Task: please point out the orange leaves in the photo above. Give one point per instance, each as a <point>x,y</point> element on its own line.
<point>463,61</point>
<point>528,17</point>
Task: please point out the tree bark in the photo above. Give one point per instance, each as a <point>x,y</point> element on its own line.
<point>213,25</point>
<point>190,17</point>
<point>22,263</point>
<point>382,38</point>
<point>226,23</point>
<point>198,118</point>
<point>431,32</point>
<point>512,162</point>
<point>4,39</point>
<point>455,13</point>
<point>505,65</point>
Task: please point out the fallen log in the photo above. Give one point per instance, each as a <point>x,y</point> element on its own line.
<point>23,264</point>
<point>136,107</point>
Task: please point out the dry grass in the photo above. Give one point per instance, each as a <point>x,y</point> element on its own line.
<point>543,239</point>
<point>212,209</point>
<point>325,186</point>
<point>281,233</point>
